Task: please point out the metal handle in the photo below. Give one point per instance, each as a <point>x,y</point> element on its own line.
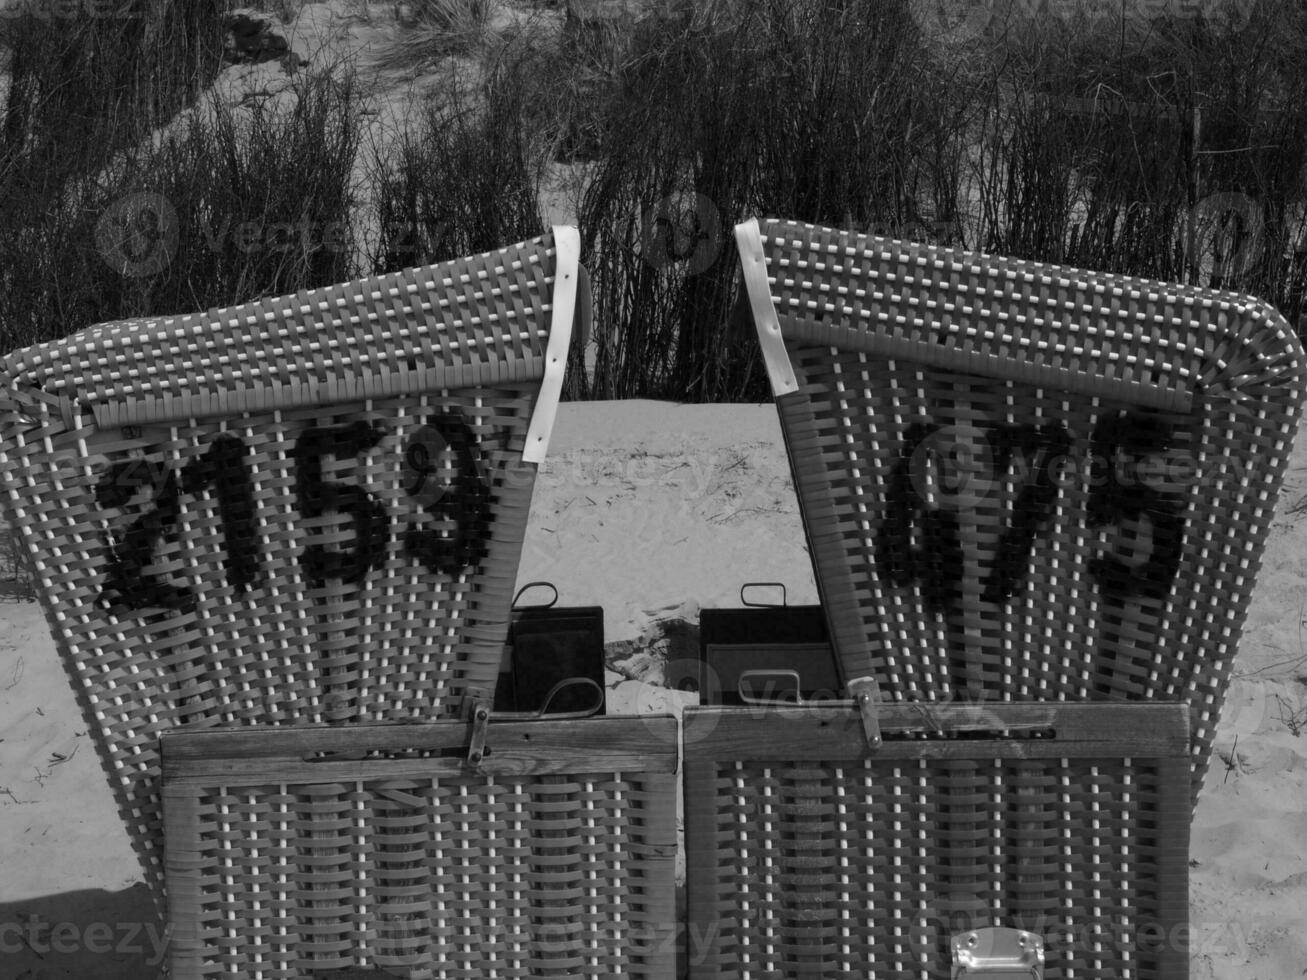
<point>764,585</point>
<point>558,715</point>
<point>533,585</point>
<point>764,700</point>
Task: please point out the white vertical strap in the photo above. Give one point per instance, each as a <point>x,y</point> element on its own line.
<point>754,263</point>
<point>567,263</point>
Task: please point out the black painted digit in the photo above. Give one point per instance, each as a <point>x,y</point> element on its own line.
<point>442,470</point>
<point>1042,449</point>
<point>1120,444</point>
<point>317,497</point>
<point>223,467</point>
<point>937,563</point>
<point>126,581</point>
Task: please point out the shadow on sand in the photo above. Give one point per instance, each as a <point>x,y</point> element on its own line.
<point>83,934</point>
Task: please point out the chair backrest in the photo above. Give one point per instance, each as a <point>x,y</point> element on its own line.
<point>306,509</point>
<point>1019,481</point>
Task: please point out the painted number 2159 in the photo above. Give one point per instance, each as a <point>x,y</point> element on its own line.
<point>442,471</point>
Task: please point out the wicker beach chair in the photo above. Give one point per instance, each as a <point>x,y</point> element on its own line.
<point>302,510</point>
<point>1024,482</point>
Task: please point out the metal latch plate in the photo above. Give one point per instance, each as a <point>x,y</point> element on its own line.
<point>998,953</point>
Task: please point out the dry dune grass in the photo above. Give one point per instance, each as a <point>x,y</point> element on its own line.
<point>1174,149</point>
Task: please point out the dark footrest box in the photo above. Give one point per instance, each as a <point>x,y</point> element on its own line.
<point>777,651</point>
<point>548,645</point>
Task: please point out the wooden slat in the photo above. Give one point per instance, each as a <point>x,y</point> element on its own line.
<point>758,733</point>
<point>1173,877</point>
<point>703,885</point>
<point>515,748</point>
<point>181,865</point>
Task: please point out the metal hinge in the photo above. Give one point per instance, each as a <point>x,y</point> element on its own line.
<point>866,697</point>
<point>476,745</point>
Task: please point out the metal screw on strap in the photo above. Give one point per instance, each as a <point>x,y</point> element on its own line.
<point>482,716</point>
<point>476,748</point>
<point>866,696</point>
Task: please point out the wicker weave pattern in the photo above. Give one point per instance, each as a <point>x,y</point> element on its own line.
<point>1028,482</point>
<point>326,529</point>
<point>457,324</point>
<point>812,861</point>
<point>548,869</point>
